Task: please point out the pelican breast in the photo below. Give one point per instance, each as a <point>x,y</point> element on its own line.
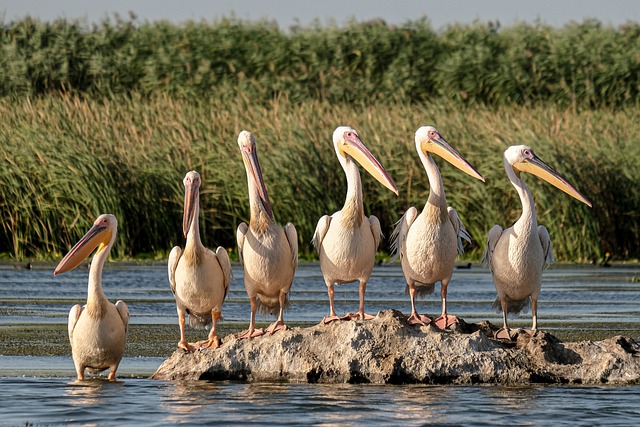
<point>348,253</point>
<point>269,263</point>
<point>202,288</point>
<point>430,247</point>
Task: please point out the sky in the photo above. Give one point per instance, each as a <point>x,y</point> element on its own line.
<point>286,13</point>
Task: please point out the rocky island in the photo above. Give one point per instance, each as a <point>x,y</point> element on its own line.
<point>386,350</point>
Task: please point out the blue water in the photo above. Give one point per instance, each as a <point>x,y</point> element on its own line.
<point>41,389</point>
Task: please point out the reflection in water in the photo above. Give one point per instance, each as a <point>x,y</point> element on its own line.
<point>182,398</point>
<point>144,402</point>
<point>91,391</point>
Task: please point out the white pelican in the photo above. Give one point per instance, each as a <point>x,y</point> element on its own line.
<point>427,243</point>
<point>517,255</point>
<point>97,330</point>
<point>199,278</point>
<point>269,253</point>
<point>347,240</point>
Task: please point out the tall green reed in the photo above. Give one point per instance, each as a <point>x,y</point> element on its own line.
<point>66,159</point>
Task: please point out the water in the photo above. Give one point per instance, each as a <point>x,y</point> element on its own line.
<point>39,389</point>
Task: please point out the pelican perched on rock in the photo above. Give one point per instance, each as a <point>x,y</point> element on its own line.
<point>199,278</point>
<point>269,253</point>
<point>347,241</point>
<point>428,242</point>
<point>517,255</point>
<point>97,330</point>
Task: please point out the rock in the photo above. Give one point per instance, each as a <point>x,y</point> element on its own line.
<point>386,350</point>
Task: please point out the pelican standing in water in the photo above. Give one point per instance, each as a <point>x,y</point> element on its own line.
<point>199,278</point>
<point>269,253</point>
<point>97,330</point>
<point>347,241</point>
<point>428,243</point>
<point>517,255</point>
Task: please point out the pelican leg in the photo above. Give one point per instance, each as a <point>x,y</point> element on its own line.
<point>505,333</point>
<point>213,340</point>
<point>112,373</point>
<point>279,325</point>
<point>252,332</point>
<point>444,321</point>
<point>415,318</point>
<point>79,371</point>
<point>332,311</point>
<point>360,314</point>
<point>183,344</point>
<point>534,314</point>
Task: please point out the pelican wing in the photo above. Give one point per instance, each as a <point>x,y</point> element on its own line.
<point>321,231</point>
<point>399,234</point>
<point>241,232</point>
<point>376,230</point>
<point>74,315</point>
<point>492,241</point>
<point>458,226</point>
<point>172,264</point>
<point>292,237</point>
<point>123,310</point>
<point>545,239</point>
<point>225,263</point>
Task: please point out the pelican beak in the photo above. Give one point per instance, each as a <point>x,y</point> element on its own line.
<point>250,157</point>
<point>540,169</point>
<point>442,148</point>
<point>191,194</point>
<point>98,235</point>
<point>353,146</point>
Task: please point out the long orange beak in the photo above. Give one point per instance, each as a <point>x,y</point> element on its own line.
<point>251,162</point>
<point>442,148</point>
<point>191,195</point>
<point>98,235</point>
<point>355,148</point>
<point>540,169</point>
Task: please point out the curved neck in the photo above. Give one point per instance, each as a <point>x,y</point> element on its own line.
<point>96,299</point>
<point>527,220</point>
<point>436,187</point>
<point>193,235</point>
<point>261,211</point>
<point>353,209</point>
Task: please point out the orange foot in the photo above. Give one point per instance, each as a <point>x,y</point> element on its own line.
<point>275,327</point>
<point>251,333</point>
<point>186,346</point>
<point>507,334</point>
<point>419,319</point>
<point>357,315</point>
<point>213,342</point>
<point>444,321</point>
<point>328,319</point>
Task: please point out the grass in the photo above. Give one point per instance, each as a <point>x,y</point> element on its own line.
<point>65,159</point>
<point>581,65</point>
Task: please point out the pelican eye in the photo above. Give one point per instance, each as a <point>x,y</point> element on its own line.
<point>433,134</point>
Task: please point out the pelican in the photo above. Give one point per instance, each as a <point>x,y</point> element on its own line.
<point>347,240</point>
<point>97,330</point>
<point>427,243</point>
<point>517,255</point>
<point>199,278</point>
<point>269,253</point>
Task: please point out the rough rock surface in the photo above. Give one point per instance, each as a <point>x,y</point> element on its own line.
<point>388,350</point>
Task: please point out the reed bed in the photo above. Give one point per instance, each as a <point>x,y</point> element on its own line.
<point>65,159</point>
<point>581,65</point>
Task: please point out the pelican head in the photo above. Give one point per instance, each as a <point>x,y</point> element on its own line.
<point>247,144</point>
<point>523,159</point>
<point>347,144</point>
<point>191,183</point>
<point>429,140</point>
<point>101,235</point>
